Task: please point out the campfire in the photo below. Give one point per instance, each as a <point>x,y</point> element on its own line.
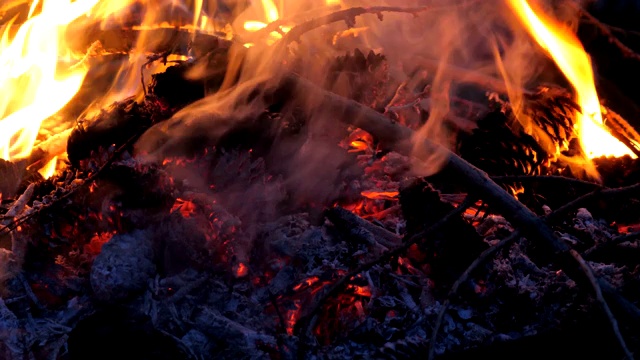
<point>282,179</point>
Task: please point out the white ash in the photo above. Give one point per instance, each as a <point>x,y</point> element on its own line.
<point>123,267</point>
<point>12,336</point>
<point>236,337</point>
<point>596,230</point>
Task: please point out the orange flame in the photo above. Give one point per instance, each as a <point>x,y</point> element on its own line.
<point>569,55</point>
<point>38,76</point>
<point>50,168</point>
<point>380,195</point>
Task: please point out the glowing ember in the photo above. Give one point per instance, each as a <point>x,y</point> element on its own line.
<point>186,207</point>
<point>292,317</point>
<point>361,290</point>
<point>358,145</point>
<point>95,244</point>
<point>241,270</point>
<point>567,52</point>
<point>37,78</point>
<point>306,283</point>
<point>380,195</point>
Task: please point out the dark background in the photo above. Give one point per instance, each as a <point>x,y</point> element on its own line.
<point>617,76</point>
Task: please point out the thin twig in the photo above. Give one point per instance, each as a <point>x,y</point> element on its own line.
<point>599,192</point>
<point>481,259</point>
<point>543,178</point>
<point>304,323</point>
<point>185,290</point>
<point>396,96</point>
<point>608,244</point>
<point>603,303</point>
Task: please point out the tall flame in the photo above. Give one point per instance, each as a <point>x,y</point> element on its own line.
<point>35,82</point>
<point>569,55</point>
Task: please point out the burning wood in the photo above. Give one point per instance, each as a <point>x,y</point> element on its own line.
<point>240,179</point>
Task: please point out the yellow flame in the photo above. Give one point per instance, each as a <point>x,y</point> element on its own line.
<point>568,53</point>
<point>271,14</point>
<point>34,82</point>
<point>50,168</point>
<point>332,2</point>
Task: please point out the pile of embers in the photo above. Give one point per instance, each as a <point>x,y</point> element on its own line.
<point>278,237</point>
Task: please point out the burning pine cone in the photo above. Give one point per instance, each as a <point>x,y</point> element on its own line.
<point>499,150</point>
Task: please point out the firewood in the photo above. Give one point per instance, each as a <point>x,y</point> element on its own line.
<point>172,40</point>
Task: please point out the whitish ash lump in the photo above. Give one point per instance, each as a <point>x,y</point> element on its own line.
<point>123,267</point>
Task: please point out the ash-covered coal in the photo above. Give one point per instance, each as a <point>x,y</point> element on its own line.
<point>123,267</point>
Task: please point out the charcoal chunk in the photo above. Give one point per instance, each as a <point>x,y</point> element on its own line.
<point>448,252</point>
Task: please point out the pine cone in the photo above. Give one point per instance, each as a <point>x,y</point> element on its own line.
<point>553,110</point>
<point>499,150</point>
<point>358,77</point>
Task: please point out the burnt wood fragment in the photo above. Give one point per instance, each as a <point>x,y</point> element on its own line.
<point>10,178</point>
<point>449,251</point>
<point>113,126</point>
<point>182,84</point>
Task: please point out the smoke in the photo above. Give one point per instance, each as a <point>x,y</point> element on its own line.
<point>453,43</point>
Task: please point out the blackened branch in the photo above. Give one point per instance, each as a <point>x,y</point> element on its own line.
<point>599,192</point>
